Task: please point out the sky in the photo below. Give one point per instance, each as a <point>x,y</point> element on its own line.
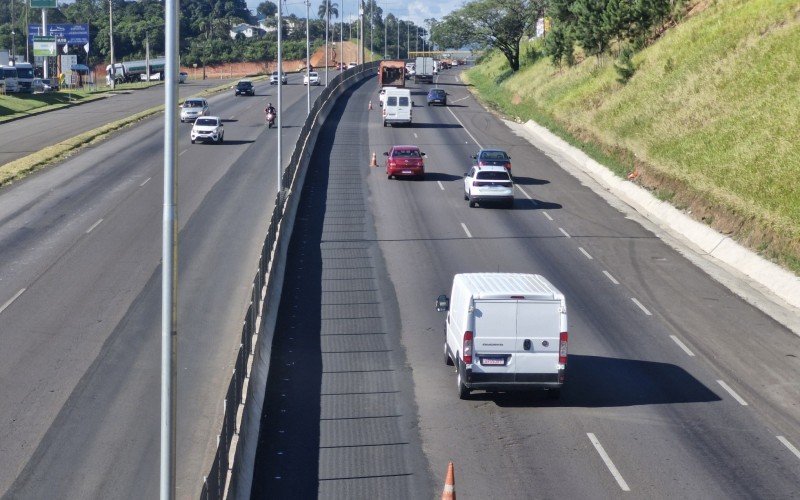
<point>414,10</point>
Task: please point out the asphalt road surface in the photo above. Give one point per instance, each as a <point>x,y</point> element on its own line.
<point>676,387</point>
<point>80,250</point>
<point>28,135</point>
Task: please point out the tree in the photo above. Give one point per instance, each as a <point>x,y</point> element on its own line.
<point>267,9</point>
<point>333,9</point>
<point>500,24</point>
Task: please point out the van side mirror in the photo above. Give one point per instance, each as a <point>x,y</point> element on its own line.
<point>442,303</point>
<point>385,153</point>
<point>474,157</point>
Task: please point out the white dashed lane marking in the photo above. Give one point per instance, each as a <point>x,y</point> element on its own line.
<point>469,235</point>
<point>145,181</point>
<point>564,232</point>
<point>547,215</point>
<point>465,128</point>
<point>681,345</point>
<point>11,300</point>
<point>441,186</point>
<point>613,280</point>
<point>94,226</point>
<point>611,467</point>
<point>789,445</point>
<point>641,306</point>
<point>733,394</point>
<point>584,252</point>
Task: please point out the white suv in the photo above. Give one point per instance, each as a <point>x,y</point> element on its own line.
<point>311,78</point>
<point>208,128</point>
<point>488,184</point>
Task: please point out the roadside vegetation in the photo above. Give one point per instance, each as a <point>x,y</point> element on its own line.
<point>702,110</point>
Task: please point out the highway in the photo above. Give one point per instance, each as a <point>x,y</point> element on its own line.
<point>80,247</point>
<point>676,387</point>
<point>28,135</point>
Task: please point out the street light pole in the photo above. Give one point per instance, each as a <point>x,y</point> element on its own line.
<point>397,22</point>
<point>385,23</point>
<point>308,63</point>
<point>361,31</point>
<point>371,30</point>
<point>280,100</point>
<point>111,45</point>
<point>327,23</point>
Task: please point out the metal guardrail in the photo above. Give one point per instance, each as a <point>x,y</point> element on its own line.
<point>216,483</point>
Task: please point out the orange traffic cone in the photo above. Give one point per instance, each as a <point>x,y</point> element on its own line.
<point>449,492</point>
<point>374,162</point>
<point>370,105</point>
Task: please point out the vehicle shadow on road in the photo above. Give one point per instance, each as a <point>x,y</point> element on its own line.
<point>601,382</point>
<point>435,125</point>
<point>234,142</point>
<point>521,204</point>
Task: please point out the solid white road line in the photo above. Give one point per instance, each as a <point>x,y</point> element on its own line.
<point>526,194</point>
<point>547,215</point>
<point>641,306</point>
<point>12,299</point>
<point>145,181</point>
<point>733,394</point>
<point>466,230</point>
<point>564,232</point>
<point>584,252</point>
<point>94,226</point>
<point>611,467</point>
<point>682,345</point>
<point>440,185</point>
<point>465,128</point>
<point>789,445</point>
<point>608,275</point>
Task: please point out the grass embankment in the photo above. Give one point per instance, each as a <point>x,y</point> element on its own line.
<point>709,119</point>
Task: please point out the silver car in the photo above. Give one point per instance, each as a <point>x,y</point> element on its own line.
<point>273,78</point>
<point>193,108</point>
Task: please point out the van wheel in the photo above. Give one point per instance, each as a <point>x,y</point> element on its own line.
<point>384,123</point>
<point>463,390</point>
<point>471,204</point>
<point>447,360</point>
<point>466,196</point>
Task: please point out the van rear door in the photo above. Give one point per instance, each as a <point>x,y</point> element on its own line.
<point>495,332</point>
<point>538,329</point>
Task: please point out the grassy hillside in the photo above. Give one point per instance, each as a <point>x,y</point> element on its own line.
<point>710,119</point>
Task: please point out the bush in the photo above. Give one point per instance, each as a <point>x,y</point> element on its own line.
<point>624,65</point>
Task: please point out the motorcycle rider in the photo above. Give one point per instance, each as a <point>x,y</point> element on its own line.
<point>271,110</point>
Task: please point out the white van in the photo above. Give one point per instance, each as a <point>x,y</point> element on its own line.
<point>8,79</point>
<point>505,331</point>
<point>397,107</point>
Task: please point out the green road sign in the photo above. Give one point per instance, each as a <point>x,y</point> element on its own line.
<point>44,46</point>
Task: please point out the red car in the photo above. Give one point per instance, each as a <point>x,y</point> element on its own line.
<point>406,161</point>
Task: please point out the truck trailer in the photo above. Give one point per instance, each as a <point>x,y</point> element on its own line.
<point>424,70</point>
<point>392,73</point>
<point>132,71</point>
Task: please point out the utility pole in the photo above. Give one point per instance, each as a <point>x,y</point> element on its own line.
<point>385,24</point>
<point>327,23</point>
<point>361,31</point>
<point>308,62</point>
<point>371,30</point>
<point>408,38</point>
<point>397,21</point>
<point>280,100</point>
<point>111,45</point>
<point>169,257</point>
<point>13,36</point>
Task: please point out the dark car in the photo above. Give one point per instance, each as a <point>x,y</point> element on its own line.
<point>492,158</point>
<point>437,96</point>
<point>405,161</point>
<point>245,87</point>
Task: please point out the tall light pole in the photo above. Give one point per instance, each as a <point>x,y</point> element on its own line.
<point>327,23</point>
<point>308,62</point>
<point>169,256</point>
<point>371,24</point>
<point>280,99</point>
<point>408,38</point>
<point>397,21</point>
<point>111,45</point>
<point>385,25</point>
<point>361,31</point>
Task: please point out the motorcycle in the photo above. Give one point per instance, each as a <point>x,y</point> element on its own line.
<point>270,119</point>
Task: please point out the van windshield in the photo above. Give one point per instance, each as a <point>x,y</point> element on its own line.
<point>25,72</point>
<point>9,73</point>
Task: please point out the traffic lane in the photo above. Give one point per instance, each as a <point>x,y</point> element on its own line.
<point>29,135</point>
<point>500,250</point>
<point>129,257</point>
<point>338,419</point>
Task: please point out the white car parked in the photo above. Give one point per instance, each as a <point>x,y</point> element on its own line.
<point>311,78</point>
<point>488,184</point>
<point>193,109</point>
<point>208,128</point>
